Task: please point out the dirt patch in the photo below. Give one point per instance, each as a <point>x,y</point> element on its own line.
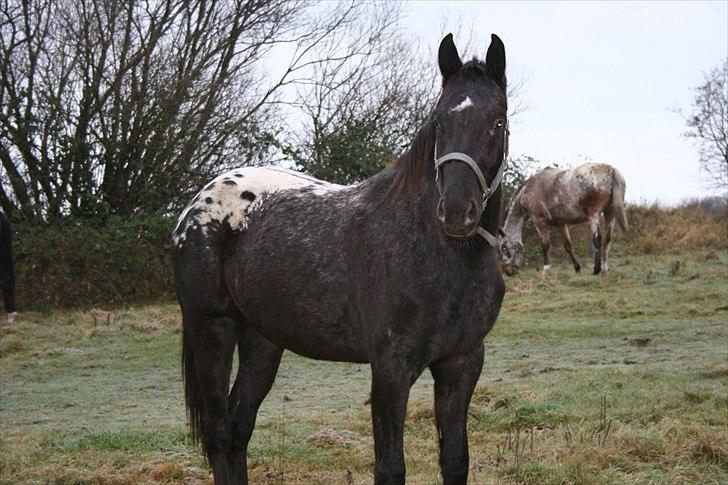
<point>642,341</point>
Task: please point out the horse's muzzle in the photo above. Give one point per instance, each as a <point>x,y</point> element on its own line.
<point>509,269</point>
<point>458,222</point>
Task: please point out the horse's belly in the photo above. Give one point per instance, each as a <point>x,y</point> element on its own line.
<point>309,318</point>
<point>311,339</point>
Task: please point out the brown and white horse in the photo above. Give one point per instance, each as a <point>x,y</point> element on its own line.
<point>557,198</point>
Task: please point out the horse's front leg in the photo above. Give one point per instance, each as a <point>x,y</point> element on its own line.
<point>596,237</point>
<point>544,233</point>
<point>391,381</point>
<point>455,380</point>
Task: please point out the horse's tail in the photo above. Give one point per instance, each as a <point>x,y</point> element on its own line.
<point>619,186</point>
<point>193,394</point>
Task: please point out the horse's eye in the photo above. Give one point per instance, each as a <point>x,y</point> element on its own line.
<point>500,123</point>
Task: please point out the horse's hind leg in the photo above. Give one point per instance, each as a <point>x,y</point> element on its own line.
<point>455,380</point>
<point>609,222</point>
<point>596,242</point>
<point>208,345</point>
<point>259,359</point>
<point>569,246</point>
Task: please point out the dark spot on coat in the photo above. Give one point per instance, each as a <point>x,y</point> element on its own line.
<point>248,195</point>
<point>210,186</point>
<point>209,200</point>
<point>194,212</point>
<point>229,182</point>
<point>240,175</point>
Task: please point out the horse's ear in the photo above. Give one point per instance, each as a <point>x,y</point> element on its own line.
<point>448,58</point>
<point>495,60</point>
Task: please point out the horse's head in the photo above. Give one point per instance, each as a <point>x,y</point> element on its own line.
<point>471,135</point>
<point>511,252</point>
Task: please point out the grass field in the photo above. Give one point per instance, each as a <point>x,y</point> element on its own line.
<point>614,379</point>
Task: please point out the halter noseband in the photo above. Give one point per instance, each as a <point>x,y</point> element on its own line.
<point>487,190</point>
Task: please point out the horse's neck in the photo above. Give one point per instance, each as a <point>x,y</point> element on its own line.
<point>513,226</point>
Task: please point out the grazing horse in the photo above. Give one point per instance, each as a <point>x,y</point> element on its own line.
<point>7,271</point>
<point>392,272</point>
<point>555,198</point>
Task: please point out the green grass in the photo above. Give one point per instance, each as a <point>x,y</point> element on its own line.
<point>81,402</point>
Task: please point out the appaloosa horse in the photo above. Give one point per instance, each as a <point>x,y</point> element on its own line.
<point>555,198</point>
<point>392,272</point>
<point>7,269</point>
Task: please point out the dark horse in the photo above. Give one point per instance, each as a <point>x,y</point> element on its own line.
<point>391,272</point>
<point>7,271</point>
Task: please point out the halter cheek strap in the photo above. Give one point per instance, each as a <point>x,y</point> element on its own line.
<point>487,190</point>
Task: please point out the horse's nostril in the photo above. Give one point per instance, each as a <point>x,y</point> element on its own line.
<point>472,212</point>
<point>441,210</point>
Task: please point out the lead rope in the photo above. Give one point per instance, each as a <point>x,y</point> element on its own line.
<point>487,191</point>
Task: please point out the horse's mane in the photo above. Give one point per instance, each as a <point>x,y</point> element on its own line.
<point>416,164</point>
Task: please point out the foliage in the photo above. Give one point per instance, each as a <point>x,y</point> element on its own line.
<point>708,126</point>
<point>356,124</point>
<point>84,263</point>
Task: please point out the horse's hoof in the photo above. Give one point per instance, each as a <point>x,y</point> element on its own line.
<point>11,317</point>
<point>577,269</point>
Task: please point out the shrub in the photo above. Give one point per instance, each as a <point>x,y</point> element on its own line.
<point>84,263</point>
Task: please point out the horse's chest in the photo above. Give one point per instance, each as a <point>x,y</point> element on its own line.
<point>466,317</point>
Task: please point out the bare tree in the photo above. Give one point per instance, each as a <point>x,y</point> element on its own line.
<point>362,114</point>
<point>121,106</point>
<point>708,126</point>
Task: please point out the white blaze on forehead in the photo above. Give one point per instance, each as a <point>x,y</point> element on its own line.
<point>466,103</point>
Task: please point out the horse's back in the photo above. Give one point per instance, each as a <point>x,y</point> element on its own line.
<point>228,199</point>
<point>570,196</point>
<point>592,176</point>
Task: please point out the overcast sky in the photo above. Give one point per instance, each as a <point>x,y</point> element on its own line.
<point>603,78</point>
